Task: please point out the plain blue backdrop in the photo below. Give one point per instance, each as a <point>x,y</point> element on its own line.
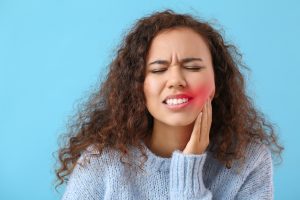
<point>53,52</point>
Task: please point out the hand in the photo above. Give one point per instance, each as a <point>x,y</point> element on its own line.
<point>200,136</point>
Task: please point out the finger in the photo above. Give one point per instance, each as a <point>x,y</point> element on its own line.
<point>207,116</point>
<point>205,126</point>
<point>210,113</point>
<point>197,127</point>
<point>209,119</point>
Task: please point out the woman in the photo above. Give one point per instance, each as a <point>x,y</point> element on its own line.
<point>171,121</point>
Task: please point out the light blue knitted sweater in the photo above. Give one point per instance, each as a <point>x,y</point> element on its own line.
<point>179,177</point>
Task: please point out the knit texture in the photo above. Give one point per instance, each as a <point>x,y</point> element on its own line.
<point>179,177</point>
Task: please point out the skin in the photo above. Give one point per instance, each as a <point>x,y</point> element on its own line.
<point>188,128</point>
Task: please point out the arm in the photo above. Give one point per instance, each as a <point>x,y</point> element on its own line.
<point>186,180</point>
<point>259,183</point>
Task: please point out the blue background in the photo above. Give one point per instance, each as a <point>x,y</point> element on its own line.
<point>53,52</point>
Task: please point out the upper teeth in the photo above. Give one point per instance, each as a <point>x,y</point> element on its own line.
<point>176,101</point>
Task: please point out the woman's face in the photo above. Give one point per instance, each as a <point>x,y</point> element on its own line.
<point>178,63</point>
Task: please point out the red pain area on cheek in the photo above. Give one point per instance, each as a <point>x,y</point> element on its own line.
<point>201,94</point>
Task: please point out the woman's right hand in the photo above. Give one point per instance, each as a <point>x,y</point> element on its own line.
<point>199,139</point>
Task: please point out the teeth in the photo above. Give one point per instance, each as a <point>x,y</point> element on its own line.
<point>176,101</point>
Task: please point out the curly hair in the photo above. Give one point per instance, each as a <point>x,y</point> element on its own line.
<point>115,115</point>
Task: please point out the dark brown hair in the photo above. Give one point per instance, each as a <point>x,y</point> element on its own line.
<point>116,116</point>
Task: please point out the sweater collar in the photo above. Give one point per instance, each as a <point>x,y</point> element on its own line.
<point>154,162</point>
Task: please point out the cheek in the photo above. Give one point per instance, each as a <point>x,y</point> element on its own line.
<point>202,92</point>
<point>151,89</point>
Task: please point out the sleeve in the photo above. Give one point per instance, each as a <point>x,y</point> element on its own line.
<point>85,180</point>
<point>259,183</point>
<point>186,181</point>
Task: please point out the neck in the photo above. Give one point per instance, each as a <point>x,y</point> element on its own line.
<point>166,139</point>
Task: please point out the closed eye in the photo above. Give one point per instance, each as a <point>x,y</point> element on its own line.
<point>158,71</point>
<point>191,68</point>
<point>194,68</point>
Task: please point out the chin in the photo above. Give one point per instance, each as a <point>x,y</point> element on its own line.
<point>179,122</point>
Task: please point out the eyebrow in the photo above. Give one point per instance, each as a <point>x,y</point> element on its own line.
<point>185,60</point>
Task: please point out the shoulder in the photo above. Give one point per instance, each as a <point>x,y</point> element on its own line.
<point>257,152</point>
<point>91,164</point>
<point>258,157</point>
<point>257,175</point>
<point>93,158</point>
<point>89,174</point>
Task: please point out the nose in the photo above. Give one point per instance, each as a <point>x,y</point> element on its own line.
<point>176,79</point>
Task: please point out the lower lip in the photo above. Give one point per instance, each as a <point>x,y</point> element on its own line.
<point>179,106</point>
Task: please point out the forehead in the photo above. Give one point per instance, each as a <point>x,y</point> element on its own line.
<point>180,41</point>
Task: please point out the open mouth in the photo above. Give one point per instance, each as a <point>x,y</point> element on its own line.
<point>178,101</point>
